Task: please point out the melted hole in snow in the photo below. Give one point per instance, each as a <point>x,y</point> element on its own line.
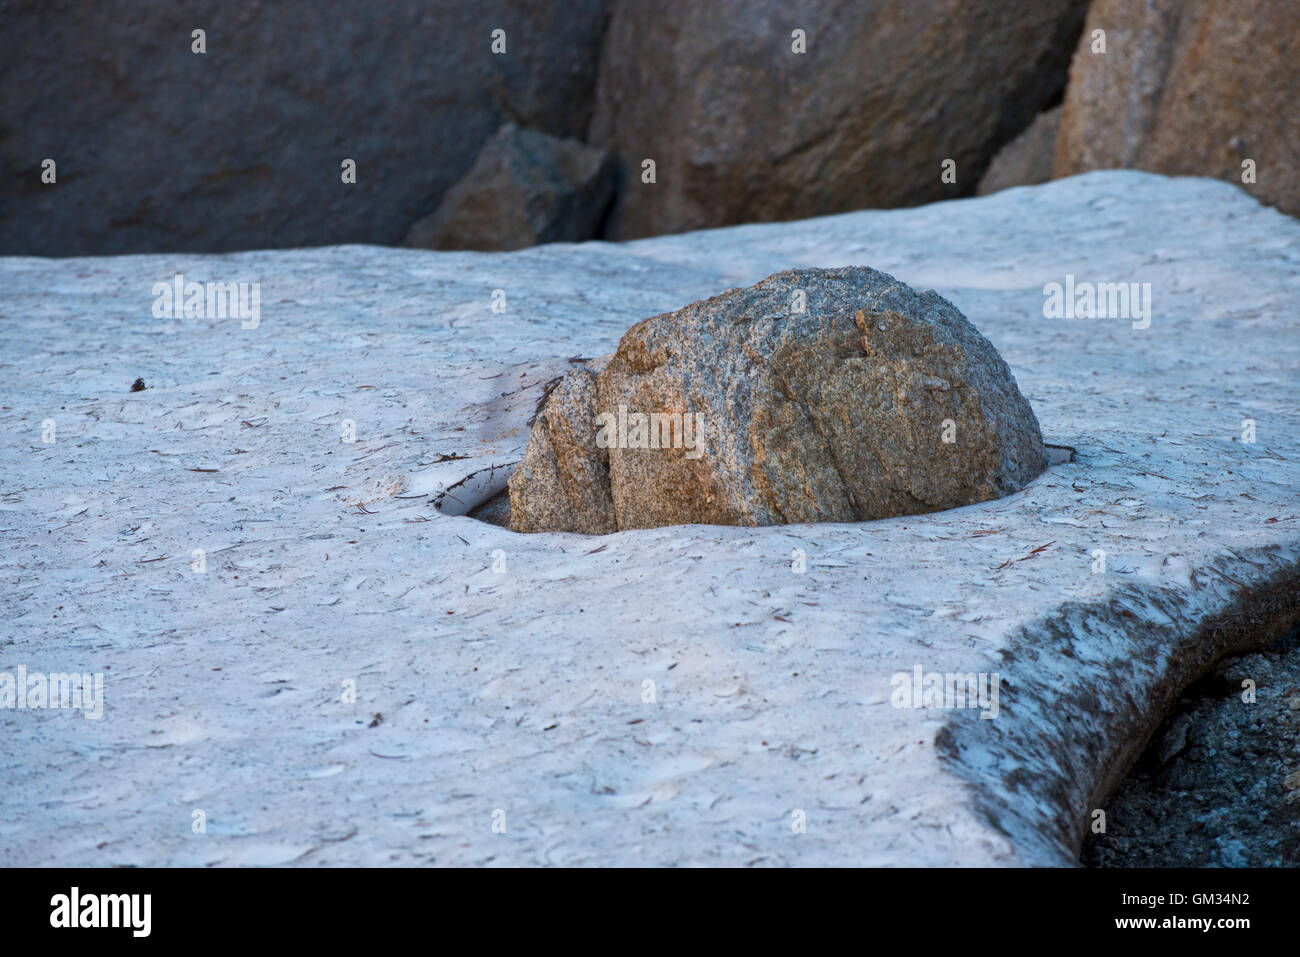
<point>1058,454</point>
<point>479,495</point>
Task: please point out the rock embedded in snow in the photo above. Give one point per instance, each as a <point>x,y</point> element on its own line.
<point>817,395</point>
<point>562,484</point>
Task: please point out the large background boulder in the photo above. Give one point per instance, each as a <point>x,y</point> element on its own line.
<point>240,147</point>
<point>159,148</point>
<point>742,129</point>
<point>1190,87</point>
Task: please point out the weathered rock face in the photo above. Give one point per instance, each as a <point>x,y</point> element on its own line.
<point>817,395</point>
<point>743,129</point>
<point>525,188</point>
<point>158,148</point>
<point>563,481</point>
<point>1027,160</point>
<point>1189,88</point>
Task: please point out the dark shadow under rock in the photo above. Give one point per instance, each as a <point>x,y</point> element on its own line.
<point>495,511</point>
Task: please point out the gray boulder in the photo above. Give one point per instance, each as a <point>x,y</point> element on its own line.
<point>525,188</point>
<point>162,149</point>
<point>817,395</point>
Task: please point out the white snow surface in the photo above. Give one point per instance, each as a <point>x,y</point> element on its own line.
<point>520,696</point>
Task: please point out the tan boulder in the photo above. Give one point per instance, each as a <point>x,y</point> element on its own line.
<point>817,395</point>
<point>1188,87</point>
<point>743,129</point>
